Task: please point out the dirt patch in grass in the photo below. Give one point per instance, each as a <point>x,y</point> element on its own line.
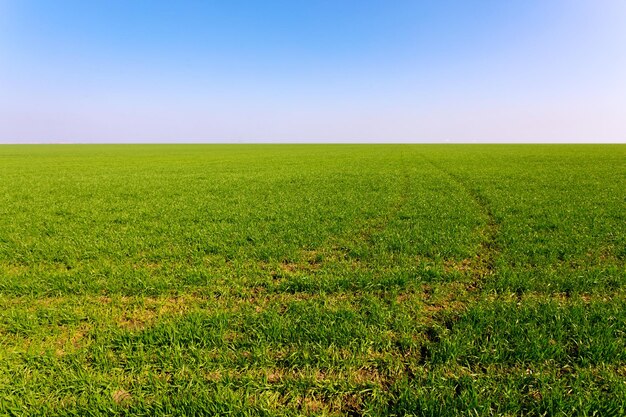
<point>464,266</point>
<point>138,313</point>
<point>121,396</point>
<point>312,405</point>
<point>14,269</point>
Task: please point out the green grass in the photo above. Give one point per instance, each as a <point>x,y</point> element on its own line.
<point>313,280</point>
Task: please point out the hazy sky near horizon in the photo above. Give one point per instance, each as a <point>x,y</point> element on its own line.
<point>325,70</point>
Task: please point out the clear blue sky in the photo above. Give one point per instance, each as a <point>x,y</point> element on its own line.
<point>340,70</point>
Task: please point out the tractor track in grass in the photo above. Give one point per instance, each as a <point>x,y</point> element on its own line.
<point>479,267</point>
<point>483,264</point>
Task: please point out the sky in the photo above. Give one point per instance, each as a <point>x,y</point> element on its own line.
<point>312,71</point>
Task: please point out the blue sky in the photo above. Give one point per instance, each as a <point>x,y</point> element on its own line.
<point>292,71</point>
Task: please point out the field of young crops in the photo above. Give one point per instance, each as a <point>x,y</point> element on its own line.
<point>312,280</point>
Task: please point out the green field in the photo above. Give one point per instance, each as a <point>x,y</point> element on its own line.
<point>313,280</point>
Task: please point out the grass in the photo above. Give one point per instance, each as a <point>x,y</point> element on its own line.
<point>312,280</point>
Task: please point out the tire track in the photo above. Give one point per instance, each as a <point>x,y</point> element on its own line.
<point>483,264</point>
